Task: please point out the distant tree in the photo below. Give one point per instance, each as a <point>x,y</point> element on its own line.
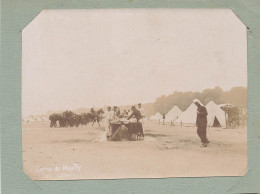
<point>215,94</point>
<point>236,96</point>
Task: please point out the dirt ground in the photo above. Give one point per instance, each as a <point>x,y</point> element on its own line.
<point>166,151</point>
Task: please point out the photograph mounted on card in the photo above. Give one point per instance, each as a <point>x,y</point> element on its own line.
<point>134,93</point>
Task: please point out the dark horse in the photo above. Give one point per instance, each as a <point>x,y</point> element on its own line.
<point>95,116</point>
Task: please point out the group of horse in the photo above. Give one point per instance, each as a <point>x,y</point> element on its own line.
<point>71,119</point>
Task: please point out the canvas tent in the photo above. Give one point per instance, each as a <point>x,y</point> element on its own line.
<point>225,105</point>
<point>216,116</point>
<point>28,119</point>
<point>45,118</point>
<point>173,114</point>
<point>42,118</point>
<point>157,116</point>
<point>38,118</point>
<point>189,116</point>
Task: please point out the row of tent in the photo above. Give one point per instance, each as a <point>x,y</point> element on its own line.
<point>31,118</point>
<point>216,116</point>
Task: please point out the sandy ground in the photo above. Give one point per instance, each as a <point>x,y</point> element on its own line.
<point>167,151</point>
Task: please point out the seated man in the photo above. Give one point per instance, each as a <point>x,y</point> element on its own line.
<point>138,116</point>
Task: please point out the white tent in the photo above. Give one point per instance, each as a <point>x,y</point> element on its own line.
<point>38,118</point>
<point>173,114</point>
<point>41,118</point>
<point>225,105</point>
<point>215,115</point>
<point>189,116</point>
<point>28,119</point>
<point>45,118</point>
<point>157,116</point>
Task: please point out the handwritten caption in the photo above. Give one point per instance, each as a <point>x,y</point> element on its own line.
<point>60,171</point>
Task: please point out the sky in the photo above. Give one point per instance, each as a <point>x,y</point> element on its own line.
<point>85,58</point>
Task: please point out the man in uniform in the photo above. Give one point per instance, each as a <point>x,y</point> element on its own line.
<point>92,111</point>
<point>115,112</point>
<point>137,114</point>
<point>141,109</point>
<point>201,123</point>
<point>108,117</point>
<point>163,118</point>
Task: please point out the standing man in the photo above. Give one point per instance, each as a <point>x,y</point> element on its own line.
<point>108,117</point>
<point>201,122</point>
<point>118,112</point>
<point>115,112</point>
<point>136,113</point>
<point>138,116</point>
<point>94,113</point>
<point>163,118</point>
<point>125,114</point>
<point>141,109</point>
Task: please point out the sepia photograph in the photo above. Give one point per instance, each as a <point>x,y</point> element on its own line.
<point>134,93</point>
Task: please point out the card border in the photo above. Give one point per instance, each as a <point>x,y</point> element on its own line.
<point>16,14</point>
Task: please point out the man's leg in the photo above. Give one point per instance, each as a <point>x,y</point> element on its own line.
<point>204,139</point>
<point>142,121</point>
<point>199,133</point>
<point>205,135</point>
<point>107,129</point>
<point>142,129</point>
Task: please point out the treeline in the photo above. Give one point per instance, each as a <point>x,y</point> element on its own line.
<point>236,96</point>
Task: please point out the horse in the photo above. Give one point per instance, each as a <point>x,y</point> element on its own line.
<point>71,119</point>
<point>65,119</point>
<point>96,116</point>
<point>53,118</point>
<point>84,118</point>
<point>68,116</point>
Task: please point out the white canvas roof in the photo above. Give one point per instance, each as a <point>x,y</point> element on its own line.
<point>225,105</point>
<point>173,114</point>
<point>28,119</point>
<point>38,118</point>
<point>45,118</point>
<point>215,111</point>
<point>189,116</point>
<point>157,116</point>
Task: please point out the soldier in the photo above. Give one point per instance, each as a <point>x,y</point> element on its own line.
<point>137,114</point>
<point>163,118</point>
<point>93,111</point>
<point>115,112</point>
<point>201,123</point>
<point>108,117</point>
<point>95,116</point>
<point>125,114</point>
<point>141,109</point>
